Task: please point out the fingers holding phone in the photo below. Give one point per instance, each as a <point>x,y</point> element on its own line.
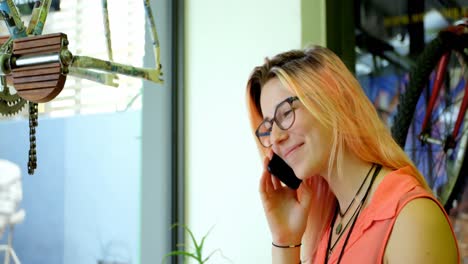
<point>285,212</point>
<point>266,184</point>
<point>276,171</point>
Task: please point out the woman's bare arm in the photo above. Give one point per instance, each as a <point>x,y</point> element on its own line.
<point>421,234</point>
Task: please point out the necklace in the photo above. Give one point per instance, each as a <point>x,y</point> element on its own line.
<point>340,228</point>
<point>328,253</point>
<point>350,220</point>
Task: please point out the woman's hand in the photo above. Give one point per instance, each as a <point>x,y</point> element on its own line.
<point>286,209</point>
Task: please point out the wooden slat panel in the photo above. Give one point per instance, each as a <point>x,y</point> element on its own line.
<point>17,47</point>
<point>32,42</point>
<point>39,50</point>
<point>28,86</point>
<point>40,78</point>
<point>37,95</point>
<point>39,92</point>
<point>35,72</point>
<point>39,37</point>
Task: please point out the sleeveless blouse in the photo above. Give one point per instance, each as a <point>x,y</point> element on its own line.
<point>375,222</point>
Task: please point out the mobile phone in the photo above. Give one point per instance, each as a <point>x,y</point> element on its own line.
<point>280,169</point>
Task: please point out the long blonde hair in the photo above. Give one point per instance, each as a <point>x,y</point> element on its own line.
<point>336,100</point>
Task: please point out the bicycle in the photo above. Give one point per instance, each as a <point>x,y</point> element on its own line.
<point>37,65</point>
<point>430,122</point>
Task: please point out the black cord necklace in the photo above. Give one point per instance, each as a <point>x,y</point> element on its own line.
<point>328,252</point>
<point>339,227</point>
<point>346,226</point>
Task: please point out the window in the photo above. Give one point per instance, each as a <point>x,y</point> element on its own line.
<point>82,21</point>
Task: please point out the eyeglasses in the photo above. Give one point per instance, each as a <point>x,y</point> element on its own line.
<point>284,118</point>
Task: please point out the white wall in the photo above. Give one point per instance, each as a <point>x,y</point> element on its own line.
<point>225,40</point>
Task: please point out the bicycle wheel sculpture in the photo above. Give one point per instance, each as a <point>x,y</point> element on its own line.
<point>431,124</point>
<point>37,65</point>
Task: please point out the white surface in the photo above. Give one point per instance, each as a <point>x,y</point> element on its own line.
<point>10,172</point>
<point>10,196</point>
<point>225,40</point>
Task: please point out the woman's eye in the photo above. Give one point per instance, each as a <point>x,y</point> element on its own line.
<point>287,113</point>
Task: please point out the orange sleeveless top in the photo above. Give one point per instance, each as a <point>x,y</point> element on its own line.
<point>375,222</point>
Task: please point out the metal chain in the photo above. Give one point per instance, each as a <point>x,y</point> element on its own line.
<point>33,113</point>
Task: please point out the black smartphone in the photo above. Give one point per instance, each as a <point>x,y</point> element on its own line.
<point>280,169</point>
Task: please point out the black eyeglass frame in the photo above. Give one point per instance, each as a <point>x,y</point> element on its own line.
<point>288,100</point>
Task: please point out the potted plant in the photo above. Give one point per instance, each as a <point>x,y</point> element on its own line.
<point>196,253</point>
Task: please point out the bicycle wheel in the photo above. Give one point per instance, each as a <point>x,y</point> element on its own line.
<point>442,165</point>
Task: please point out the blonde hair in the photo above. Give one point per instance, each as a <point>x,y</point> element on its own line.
<point>336,100</point>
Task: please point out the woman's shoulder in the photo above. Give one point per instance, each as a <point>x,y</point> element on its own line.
<point>399,180</point>
<point>421,231</point>
<point>393,189</point>
<point>422,234</point>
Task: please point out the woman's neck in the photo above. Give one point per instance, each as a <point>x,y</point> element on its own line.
<point>346,186</point>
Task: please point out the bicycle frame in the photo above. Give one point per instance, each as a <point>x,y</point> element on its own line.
<point>38,18</point>
<point>12,19</point>
<point>37,65</point>
<point>101,71</point>
<point>450,142</point>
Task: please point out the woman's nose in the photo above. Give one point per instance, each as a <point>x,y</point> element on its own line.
<point>277,135</point>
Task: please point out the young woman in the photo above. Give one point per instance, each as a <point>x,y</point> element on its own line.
<point>361,199</point>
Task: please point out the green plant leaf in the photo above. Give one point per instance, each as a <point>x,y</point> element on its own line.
<point>204,237</point>
<point>197,255</point>
<point>211,254</point>
<point>198,249</point>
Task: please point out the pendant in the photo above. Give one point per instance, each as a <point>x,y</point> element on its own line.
<point>338,229</point>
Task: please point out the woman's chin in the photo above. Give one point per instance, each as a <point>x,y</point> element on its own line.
<point>301,175</point>
<point>307,176</point>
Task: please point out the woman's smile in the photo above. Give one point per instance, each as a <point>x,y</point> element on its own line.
<point>289,152</point>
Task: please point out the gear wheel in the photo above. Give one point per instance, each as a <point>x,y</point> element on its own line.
<point>10,104</point>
